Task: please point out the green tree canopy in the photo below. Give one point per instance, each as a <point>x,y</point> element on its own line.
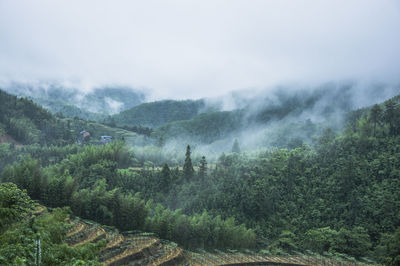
<point>188,170</point>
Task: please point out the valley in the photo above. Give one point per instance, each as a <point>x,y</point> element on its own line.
<point>303,191</point>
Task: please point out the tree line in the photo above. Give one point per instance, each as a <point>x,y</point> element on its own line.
<point>90,184</point>
<point>338,195</point>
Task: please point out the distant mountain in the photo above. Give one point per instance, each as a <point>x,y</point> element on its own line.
<point>261,111</point>
<point>275,116</point>
<point>205,127</point>
<point>281,117</point>
<point>71,102</point>
<point>155,114</point>
<point>63,109</point>
<point>25,122</point>
<point>111,100</point>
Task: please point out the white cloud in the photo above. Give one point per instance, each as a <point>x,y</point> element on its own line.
<point>186,49</point>
<point>114,106</point>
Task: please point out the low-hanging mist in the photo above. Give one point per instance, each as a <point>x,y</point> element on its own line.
<point>283,117</point>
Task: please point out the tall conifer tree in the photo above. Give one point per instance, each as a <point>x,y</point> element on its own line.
<point>203,167</point>
<point>188,170</point>
<point>375,116</point>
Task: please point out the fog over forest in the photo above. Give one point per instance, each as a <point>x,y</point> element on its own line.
<point>225,132</point>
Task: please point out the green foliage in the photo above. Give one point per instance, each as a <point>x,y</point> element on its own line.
<point>89,182</point>
<point>390,115</point>
<point>97,130</point>
<point>46,155</point>
<point>14,205</point>
<point>110,207</point>
<point>393,249</point>
<point>200,230</point>
<point>203,168</point>
<point>28,175</point>
<point>95,163</point>
<point>70,102</point>
<point>375,116</point>
<point>155,114</point>
<point>165,178</point>
<point>215,125</point>
<point>355,242</point>
<point>286,242</point>
<point>205,127</point>
<point>339,195</point>
<point>319,239</point>
<point>19,233</point>
<point>18,243</point>
<point>188,170</point>
<point>29,123</point>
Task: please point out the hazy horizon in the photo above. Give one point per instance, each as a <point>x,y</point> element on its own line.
<point>180,49</point>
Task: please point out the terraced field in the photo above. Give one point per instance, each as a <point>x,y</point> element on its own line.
<point>126,249</point>
<point>145,249</point>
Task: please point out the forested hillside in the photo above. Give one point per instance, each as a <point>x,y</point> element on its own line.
<point>29,236</point>
<point>29,123</point>
<point>204,128</point>
<point>94,189</point>
<point>339,195</point>
<point>70,102</point>
<point>336,194</point>
<point>231,133</point>
<point>63,109</point>
<point>265,115</point>
<point>155,114</point>
<point>33,234</point>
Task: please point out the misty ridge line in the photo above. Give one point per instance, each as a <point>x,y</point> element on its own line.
<point>279,117</point>
<point>282,118</point>
<point>362,92</point>
<point>252,101</point>
<point>254,115</point>
<point>104,100</point>
<point>208,126</point>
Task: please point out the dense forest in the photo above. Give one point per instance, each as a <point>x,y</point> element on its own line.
<point>29,123</point>
<point>155,114</point>
<point>20,233</point>
<point>207,122</point>
<point>334,192</point>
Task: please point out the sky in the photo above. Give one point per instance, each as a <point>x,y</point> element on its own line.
<point>192,49</point>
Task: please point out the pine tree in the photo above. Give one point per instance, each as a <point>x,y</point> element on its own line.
<point>375,116</point>
<point>188,170</point>
<point>165,178</point>
<point>235,147</point>
<point>389,115</point>
<point>203,167</point>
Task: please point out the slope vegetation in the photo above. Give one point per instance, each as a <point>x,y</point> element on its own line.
<point>71,102</point>
<point>146,249</point>
<point>155,114</point>
<point>29,123</point>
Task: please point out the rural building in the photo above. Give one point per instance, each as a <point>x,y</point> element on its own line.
<point>105,139</point>
<point>83,136</point>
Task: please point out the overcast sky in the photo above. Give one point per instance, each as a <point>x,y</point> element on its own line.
<point>191,49</point>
